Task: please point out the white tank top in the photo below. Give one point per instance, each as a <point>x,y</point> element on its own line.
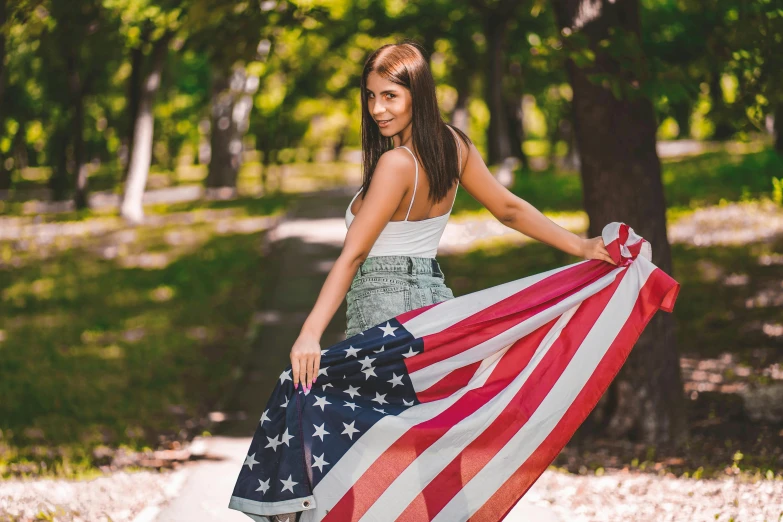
<point>409,238</point>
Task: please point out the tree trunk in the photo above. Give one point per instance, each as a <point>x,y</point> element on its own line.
<point>131,208</point>
<point>58,152</point>
<point>134,96</point>
<point>76,89</point>
<point>621,176</point>
<point>499,141</point>
<point>5,173</point>
<point>515,121</point>
<point>779,129</point>
<point>225,138</point>
<point>460,116</point>
<point>719,112</point>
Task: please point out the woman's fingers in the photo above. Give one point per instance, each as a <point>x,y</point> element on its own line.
<point>316,367</point>
<point>295,367</point>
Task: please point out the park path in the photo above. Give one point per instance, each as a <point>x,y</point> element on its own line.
<point>301,251</point>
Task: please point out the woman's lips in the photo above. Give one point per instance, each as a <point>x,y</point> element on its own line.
<point>384,123</point>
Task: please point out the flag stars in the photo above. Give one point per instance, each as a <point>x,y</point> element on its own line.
<point>351,405</point>
<point>369,371</point>
<point>273,443</point>
<point>406,403</point>
<point>388,329</point>
<point>379,350</point>
<point>321,401</point>
<point>286,437</point>
<point>285,404</point>
<point>263,486</point>
<point>379,410</point>
<point>264,417</point>
<point>285,376</point>
<point>319,462</point>
<point>395,380</point>
<point>250,461</point>
<point>350,429</point>
<point>380,399</point>
<point>367,362</point>
<point>410,353</point>
<point>320,431</point>
<point>352,391</point>
<point>321,371</point>
<point>352,352</point>
<point>288,484</point>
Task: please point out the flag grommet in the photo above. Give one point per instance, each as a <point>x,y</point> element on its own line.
<point>306,503</point>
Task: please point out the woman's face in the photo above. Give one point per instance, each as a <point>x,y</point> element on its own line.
<point>389,104</point>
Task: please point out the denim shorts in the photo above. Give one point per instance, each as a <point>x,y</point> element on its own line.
<point>386,286</point>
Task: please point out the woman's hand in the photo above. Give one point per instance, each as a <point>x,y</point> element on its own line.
<point>305,360</point>
<point>594,248</point>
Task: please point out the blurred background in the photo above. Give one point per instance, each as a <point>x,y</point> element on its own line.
<point>173,181</point>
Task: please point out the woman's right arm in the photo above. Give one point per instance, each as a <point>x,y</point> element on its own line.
<point>380,202</point>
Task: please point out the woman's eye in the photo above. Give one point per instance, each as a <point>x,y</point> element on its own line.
<point>390,95</point>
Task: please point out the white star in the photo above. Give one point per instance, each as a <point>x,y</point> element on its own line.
<point>285,376</point>
<point>352,352</point>
<point>250,461</point>
<point>369,371</point>
<point>285,404</point>
<point>349,430</point>
<point>286,437</point>
<point>323,352</point>
<point>406,403</point>
<point>352,391</point>
<point>388,329</point>
<point>263,485</point>
<point>379,411</point>
<point>322,371</point>
<point>366,362</point>
<point>264,417</point>
<point>321,401</point>
<point>379,350</point>
<point>410,353</point>
<point>288,484</point>
<point>351,405</point>
<point>320,462</point>
<point>320,431</point>
<point>326,385</point>
<point>273,443</point>
<point>380,399</point>
<point>396,380</point>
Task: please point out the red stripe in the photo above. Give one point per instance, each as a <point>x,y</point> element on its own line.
<point>525,402</point>
<point>657,289</point>
<point>499,317</point>
<point>449,384</point>
<point>417,439</point>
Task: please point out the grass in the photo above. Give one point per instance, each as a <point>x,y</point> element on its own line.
<point>98,353</point>
<point>689,183</point>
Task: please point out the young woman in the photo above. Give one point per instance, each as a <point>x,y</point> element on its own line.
<point>413,164</point>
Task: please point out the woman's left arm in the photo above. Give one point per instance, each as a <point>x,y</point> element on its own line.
<point>516,213</point>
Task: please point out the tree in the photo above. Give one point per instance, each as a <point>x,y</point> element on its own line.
<point>615,130</point>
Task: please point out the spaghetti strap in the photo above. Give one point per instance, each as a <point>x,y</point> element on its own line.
<point>415,181</point>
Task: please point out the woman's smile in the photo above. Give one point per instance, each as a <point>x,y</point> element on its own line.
<point>384,123</point>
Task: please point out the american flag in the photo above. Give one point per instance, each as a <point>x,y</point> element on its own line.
<point>451,411</point>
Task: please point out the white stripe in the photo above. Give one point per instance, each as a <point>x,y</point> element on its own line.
<point>430,375</point>
<point>378,439</point>
<point>581,367</point>
<point>449,312</point>
<point>396,498</point>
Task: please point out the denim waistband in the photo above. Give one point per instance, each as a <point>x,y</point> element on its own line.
<point>406,264</point>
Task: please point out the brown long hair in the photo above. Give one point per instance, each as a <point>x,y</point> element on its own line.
<point>405,64</point>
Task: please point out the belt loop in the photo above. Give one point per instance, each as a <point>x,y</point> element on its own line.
<point>410,265</point>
